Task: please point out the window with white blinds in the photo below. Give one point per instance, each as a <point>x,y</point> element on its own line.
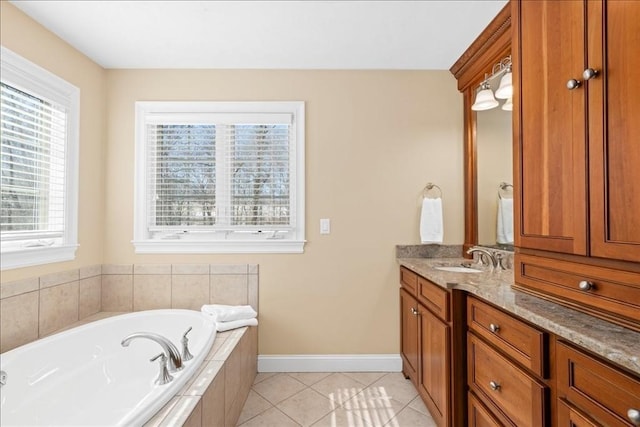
<point>219,177</point>
<point>38,122</point>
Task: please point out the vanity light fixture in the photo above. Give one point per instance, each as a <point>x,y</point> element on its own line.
<point>505,90</point>
<point>508,106</point>
<point>485,99</point>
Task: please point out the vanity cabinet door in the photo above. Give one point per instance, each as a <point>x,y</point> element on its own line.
<point>409,337</point>
<point>550,168</point>
<point>614,128</point>
<point>435,373</point>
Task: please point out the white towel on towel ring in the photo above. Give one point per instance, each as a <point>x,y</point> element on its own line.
<point>431,222</point>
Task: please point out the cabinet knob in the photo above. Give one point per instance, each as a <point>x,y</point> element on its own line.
<point>589,73</point>
<point>414,311</point>
<point>585,285</point>
<point>573,84</point>
<point>494,386</point>
<point>494,328</point>
<point>634,416</point>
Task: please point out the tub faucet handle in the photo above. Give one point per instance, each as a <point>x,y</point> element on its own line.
<point>186,354</point>
<point>164,376</point>
<point>3,378</point>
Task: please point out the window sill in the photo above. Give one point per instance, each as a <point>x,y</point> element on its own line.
<point>218,247</point>
<point>28,257</point>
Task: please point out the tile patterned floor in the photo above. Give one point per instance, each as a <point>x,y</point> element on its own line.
<point>359,399</point>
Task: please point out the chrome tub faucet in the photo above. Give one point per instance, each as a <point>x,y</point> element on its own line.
<point>170,351</point>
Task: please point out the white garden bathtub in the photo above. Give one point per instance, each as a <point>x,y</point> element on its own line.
<point>84,377</point>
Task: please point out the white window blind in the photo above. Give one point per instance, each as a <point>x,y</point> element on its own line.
<point>39,143</point>
<point>221,172</point>
<point>33,166</point>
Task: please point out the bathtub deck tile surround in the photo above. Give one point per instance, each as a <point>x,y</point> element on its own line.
<point>216,396</point>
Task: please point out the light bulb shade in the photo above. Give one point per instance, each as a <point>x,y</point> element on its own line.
<point>508,105</point>
<point>505,90</point>
<point>484,100</point>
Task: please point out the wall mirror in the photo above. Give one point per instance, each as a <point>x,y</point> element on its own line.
<point>488,136</point>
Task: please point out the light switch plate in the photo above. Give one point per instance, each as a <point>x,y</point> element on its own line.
<point>325,226</point>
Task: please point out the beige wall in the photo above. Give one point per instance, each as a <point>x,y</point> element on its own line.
<point>29,39</point>
<point>374,139</point>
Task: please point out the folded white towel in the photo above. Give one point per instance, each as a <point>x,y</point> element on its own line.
<point>228,313</point>
<point>504,229</point>
<point>431,223</point>
<point>225,326</point>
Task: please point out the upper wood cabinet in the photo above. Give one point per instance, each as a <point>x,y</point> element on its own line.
<point>577,154</point>
<point>577,127</point>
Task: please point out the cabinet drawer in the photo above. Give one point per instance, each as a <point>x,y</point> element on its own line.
<point>479,415</point>
<point>597,388</point>
<point>518,395</point>
<point>434,298</point>
<point>570,416</point>
<point>523,343</point>
<point>409,280</point>
<point>611,290</point>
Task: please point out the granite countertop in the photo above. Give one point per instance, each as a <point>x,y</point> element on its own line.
<point>615,343</point>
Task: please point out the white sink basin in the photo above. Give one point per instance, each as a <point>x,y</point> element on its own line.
<point>455,269</point>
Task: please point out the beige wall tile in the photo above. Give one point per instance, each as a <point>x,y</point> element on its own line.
<point>151,291</point>
<point>90,301</point>
<point>90,271</point>
<point>117,292</point>
<point>228,268</point>
<point>229,289</point>
<point>59,278</point>
<point>58,307</point>
<point>18,287</point>
<point>189,291</point>
<point>152,269</point>
<point>18,320</point>
<point>190,268</point>
<point>213,402</point>
<point>252,291</point>
<point>117,269</point>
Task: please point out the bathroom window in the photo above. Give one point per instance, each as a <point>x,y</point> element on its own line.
<point>39,139</point>
<point>219,177</point>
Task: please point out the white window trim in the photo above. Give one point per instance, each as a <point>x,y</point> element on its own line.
<point>27,76</point>
<point>144,244</point>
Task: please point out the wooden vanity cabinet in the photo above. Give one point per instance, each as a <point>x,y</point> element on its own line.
<point>426,343</point>
<point>576,153</point>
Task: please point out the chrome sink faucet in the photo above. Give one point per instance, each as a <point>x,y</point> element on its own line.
<point>492,261</point>
<point>170,350</point>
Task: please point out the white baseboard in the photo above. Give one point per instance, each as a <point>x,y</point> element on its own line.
<point>330,363</point>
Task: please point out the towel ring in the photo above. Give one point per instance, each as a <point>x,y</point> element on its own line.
<point>429,187</point>
<point>503,190</point>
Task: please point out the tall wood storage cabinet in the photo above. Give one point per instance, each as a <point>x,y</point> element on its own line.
<point>577,153</point>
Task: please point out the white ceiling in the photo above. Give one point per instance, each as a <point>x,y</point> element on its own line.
<point>267,34</point>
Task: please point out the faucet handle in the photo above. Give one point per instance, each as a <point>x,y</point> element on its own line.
<point>186,354</point>
<point>164,376</point>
